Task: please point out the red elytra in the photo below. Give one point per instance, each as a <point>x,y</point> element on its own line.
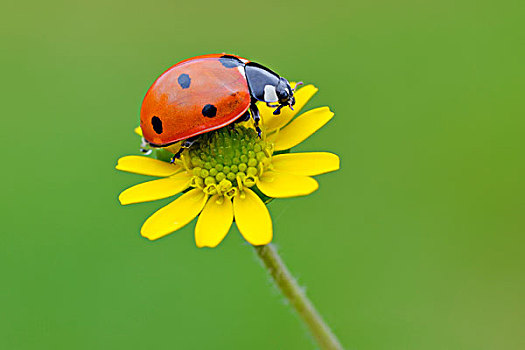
<point>193,97</point>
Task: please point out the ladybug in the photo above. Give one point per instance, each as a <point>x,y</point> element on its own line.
<point>205,93</point>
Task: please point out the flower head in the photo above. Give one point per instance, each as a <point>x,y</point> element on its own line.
<point>230,174</point>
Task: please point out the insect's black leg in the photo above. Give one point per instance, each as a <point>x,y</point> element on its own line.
<point>243,118</point>
<point>278,110</point>
<point>177,155</point>
<point>185,145</point>
<point>256,117</point>
<point>144,147</point>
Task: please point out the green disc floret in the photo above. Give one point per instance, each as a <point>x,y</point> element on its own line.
<point>260,156</point>
<point>209,180</point>
<point>197,171</point>
<point>220,176</point>
<point>229,158</point>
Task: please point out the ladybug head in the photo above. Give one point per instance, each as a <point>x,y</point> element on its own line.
<point>267,86</point>
<point>285,95</point>
<point>284,92</point>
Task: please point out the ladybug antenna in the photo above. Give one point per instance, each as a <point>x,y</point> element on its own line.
<point>297,85</point>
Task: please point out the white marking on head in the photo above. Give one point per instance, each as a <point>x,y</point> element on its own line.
<point>241,69</point>
<point>269,94</point>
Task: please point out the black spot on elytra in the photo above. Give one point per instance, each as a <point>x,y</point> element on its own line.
<point>157,124</point>
<point>209,111</point>
<point>184,81</point>
<point>229,61</point>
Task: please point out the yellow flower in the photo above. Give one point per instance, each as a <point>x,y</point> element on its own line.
<point>224,176</point>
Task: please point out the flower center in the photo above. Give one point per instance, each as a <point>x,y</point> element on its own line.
<point>226,160</point>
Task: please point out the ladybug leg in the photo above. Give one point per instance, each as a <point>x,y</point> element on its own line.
<point>256,117</point>
<point>278,110</point>
<point>184,146</point>
<point>243,118</point>
<point>176,155</point>
<point>144,147</point>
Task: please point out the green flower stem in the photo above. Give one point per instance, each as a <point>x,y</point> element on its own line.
<point>293,292</point>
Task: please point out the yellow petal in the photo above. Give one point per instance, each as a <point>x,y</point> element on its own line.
<point>173,148</point>
<point>306,164</point>
<point>147,166</point>
<point>175,215</point>
<point>302,127</point>
<point>252,218</point>
<point>156,189</point>
<point>214,222</point>
<point>280,185</point>
<point>273,122</point>
<point>138,131</point>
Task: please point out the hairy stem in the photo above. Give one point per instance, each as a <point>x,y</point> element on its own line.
<point>297,298</point>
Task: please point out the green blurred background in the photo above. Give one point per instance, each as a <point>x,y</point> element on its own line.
<point>416,243</point>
